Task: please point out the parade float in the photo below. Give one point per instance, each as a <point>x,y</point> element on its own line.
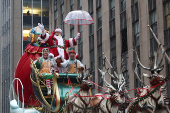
<point>23,69</point>
<point>53,78</point>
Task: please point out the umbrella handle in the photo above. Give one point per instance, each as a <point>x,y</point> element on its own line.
<point>78,26</point>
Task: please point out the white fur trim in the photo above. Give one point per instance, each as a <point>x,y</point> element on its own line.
<point>51,55</point>
<point>55,58</point>
<point>43,32</point>
<point>60,50</point>
<point>58,30</point>
<point>71,42</point>
<point>47,37</point>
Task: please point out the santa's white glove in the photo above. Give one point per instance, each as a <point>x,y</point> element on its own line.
<point>59,56</point>
<point>51,55</point>
<point>41,26</point>
<point>78,36</point>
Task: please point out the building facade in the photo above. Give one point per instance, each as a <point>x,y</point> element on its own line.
<point>10,47</point>
<point>119,26</point>
<point>14,36</point>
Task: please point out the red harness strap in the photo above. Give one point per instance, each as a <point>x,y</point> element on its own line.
<point>155,99</point>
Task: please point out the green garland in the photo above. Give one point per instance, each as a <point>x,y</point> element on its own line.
<point>148,95</point>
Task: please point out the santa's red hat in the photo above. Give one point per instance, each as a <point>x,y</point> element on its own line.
<point>77,56</point>
<point>56,30</point>
<point>72,51</point>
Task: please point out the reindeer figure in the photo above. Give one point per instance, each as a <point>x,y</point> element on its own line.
<point>114,101</point>
<point>151,100</point>
<point>78,104</point>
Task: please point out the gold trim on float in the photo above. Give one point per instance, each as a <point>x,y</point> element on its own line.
<point>34,83</point>
<point>49,96</point>
<point>55,88</point>
<point>32,52</point>
<point>56,91</point>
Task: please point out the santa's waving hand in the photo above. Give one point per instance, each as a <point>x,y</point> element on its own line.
<point>56,42</point>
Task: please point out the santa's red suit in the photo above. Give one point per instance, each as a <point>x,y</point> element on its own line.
<point>56,43</point>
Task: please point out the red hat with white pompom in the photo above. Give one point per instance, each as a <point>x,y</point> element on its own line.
<point>77,56</point>
<point>58,30</point>
<point>72,51</point>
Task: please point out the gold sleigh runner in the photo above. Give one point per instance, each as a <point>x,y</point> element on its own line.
<point>56,101</point>
<point>54,106</point>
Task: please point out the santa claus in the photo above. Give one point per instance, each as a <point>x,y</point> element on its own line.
<point>56,43</point>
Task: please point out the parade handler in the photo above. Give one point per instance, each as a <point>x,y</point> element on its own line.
<point>72,63</point>
<point>45,66</point>
<point>57,44</point>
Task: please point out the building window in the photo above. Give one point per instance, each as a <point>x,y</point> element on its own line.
<point>91,43</point>
<point>124,41</point>
<point>153,24</point>
<point>167,24</point>
<point>123,28</point>
<point>62,17</point>
<point>112,35</point>
<point>112,9</point>
<point>71,5</point>
<point>99,38</point>
<point>79,4</point>
<point>91,47</point>
<point>112,18</point>
<point>135,15</point>
<point>123,5</point>
<point>92,55</point>
<point>71,26</point>
<point>98,3</point>
<point>125,69</point>
<point>167,13</point>
<point>113,54</point>
<point>125,54</point>
<point>136,41</point>
<point>80,41</point>
<point>32,15</point>
<point>136,44</point>
<point>71,31</point>
<point>134,1</point>
<point>123,24</point>
<point>80,44</point>
<point>55,13</point>
<point>90,4</point>
<point>167,35</point>
<point>113,50</point>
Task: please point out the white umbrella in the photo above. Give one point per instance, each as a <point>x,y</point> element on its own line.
<point>78,17</point>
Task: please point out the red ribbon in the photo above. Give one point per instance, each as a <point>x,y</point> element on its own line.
<point>69,82</point>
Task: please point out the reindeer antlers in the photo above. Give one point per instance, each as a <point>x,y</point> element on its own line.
<point>120,78</point>
<point>135,71</point>
<point>114,72</point>
<point>140,62</point>
<point>156,66</point>
<point>104,80</point>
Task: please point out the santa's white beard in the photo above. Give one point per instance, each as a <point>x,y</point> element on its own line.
<point>60,42</point>
<point>59,36</point>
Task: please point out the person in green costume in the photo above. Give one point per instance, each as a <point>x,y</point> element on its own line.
<point>72,64</point>
<point>45,65</point>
